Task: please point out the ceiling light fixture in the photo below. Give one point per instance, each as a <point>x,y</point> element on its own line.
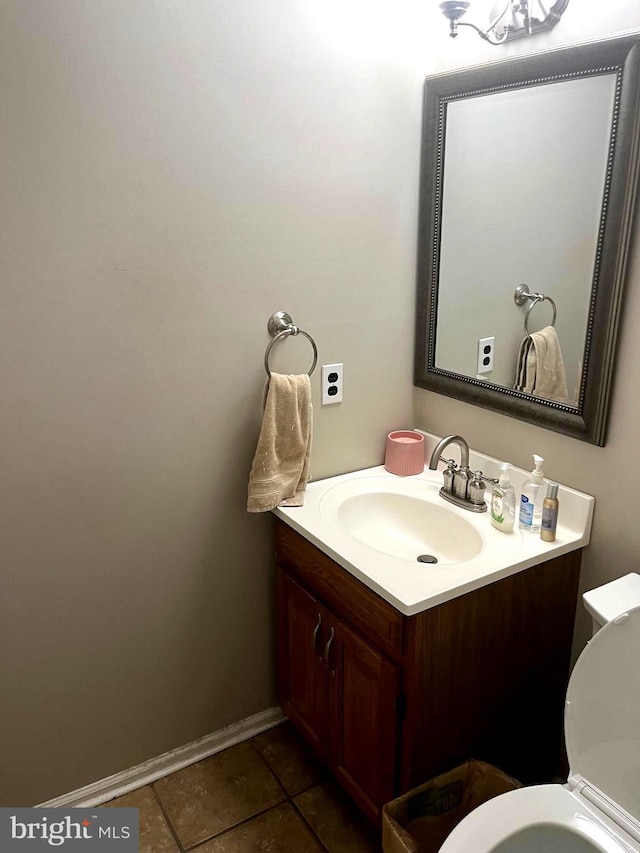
<point>518,18</point>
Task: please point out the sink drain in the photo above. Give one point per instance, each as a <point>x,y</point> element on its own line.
<point>427,558</point>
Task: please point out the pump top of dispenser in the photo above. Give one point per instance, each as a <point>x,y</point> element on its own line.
<point>504,477</point>
<point>537,475</point>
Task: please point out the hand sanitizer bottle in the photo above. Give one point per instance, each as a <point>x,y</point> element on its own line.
<point>503,501</point>
<point>531,498</point>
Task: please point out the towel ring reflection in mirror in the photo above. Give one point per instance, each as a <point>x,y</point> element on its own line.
<point>281,326</point>
<point>522,295</point>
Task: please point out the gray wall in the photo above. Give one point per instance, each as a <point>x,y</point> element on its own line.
<point>172,174</point>
<point>609,473</point>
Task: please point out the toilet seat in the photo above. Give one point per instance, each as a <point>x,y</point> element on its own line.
<point>501,825</point>
<point>599,808</point>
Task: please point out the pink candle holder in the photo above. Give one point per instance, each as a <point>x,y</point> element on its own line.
<point>404,454</point>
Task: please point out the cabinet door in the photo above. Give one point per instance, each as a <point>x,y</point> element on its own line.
<point>302,674</point>
<point>363,703</point>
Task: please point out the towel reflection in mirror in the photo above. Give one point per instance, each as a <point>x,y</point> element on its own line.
<point>540,367</point>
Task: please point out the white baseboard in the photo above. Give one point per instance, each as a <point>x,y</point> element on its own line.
<point>135,777</point>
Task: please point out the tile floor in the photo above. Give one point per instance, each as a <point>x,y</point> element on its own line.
<point>266,795</point>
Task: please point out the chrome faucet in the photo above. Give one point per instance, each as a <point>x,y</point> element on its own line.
<point>462,487</point>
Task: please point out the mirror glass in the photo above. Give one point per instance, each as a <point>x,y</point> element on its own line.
<point>527,188</point>
<point>523,186</point>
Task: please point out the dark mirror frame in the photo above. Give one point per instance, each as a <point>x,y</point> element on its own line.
<point>621,56</point>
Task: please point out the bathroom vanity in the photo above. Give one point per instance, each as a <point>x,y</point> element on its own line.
<point>388,699</point>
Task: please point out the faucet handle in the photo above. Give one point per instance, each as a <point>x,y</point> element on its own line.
<point>448,475</point>
<point>493,480</point>
<point>450,463</point>
<point>476,488</point>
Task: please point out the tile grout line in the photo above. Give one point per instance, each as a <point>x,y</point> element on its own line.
<point>167,819</point>
<point>257,750</point>
<point>287,799</point>
<point>298,810</point>
<point>320,781</point>
<point>234,827</point>
<point>228,829</point>
<point>279,782</point>
<point>290,797</point>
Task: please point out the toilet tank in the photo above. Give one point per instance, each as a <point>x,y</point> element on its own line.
<point>606,602</point>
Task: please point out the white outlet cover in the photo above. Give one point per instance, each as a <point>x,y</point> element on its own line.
<point>486,348</point>
<point>332,382</point>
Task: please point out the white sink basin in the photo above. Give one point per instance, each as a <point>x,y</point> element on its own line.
<point>405,526</point>
<point>376,525</point>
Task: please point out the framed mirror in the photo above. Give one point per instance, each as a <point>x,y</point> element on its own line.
<point>528,183</point>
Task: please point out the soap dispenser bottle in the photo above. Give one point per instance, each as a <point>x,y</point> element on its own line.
<point>503,501</point>
<point>531,498</point>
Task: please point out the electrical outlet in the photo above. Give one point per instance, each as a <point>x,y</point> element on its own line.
<point>486,346</point>
<point>332,378</point>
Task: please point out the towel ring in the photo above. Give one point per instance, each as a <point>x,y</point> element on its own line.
<point>522,295</point>
<point>281,326</point>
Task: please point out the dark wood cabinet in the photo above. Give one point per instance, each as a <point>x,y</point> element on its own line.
<point>340,692</point>
<point>303,681</point>
<point>389,701</point>
<point>363,698</point>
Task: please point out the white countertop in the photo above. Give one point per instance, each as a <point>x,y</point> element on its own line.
<point>411,586</point>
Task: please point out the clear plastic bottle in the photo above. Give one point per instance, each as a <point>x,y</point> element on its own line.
<point>531,498</point>
<point>503,501</point>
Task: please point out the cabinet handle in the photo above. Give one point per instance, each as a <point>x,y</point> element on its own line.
<point>315,637</point>
<point>328,647</point>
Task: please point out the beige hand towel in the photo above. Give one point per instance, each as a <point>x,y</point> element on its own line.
<point>280,469</point>
<point>540,368</point>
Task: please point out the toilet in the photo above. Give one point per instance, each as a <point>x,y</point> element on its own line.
<point>606,602</point>
<point>598,810</point>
